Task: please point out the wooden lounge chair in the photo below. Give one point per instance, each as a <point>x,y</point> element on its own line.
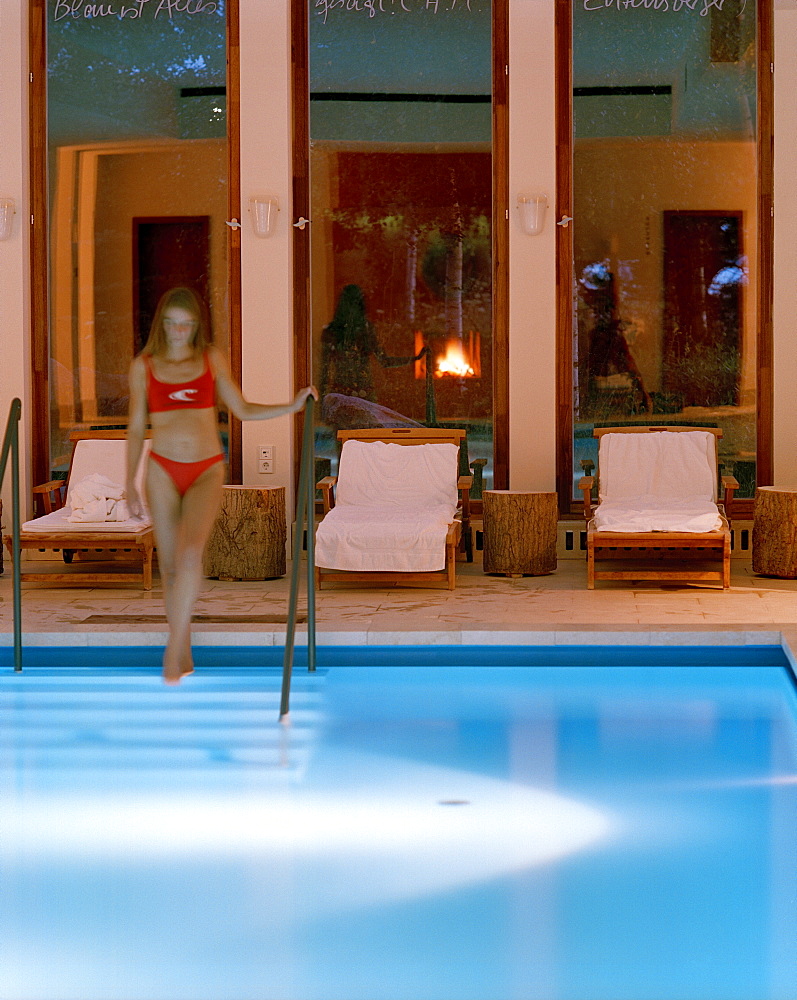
<point>659,479</point>
<point>129,541</point>
<point>383,514</point>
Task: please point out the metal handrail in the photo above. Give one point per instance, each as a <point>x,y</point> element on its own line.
<point>305,504</point>
<point>11,444</point>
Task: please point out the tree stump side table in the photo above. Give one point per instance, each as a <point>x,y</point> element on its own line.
<point>519,532</point>
<point>775,531</point>
<point>249,537</point>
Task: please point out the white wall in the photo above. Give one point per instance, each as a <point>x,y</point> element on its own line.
<point>14,343</point>
<point>266,263</point>
<point>532,259</point>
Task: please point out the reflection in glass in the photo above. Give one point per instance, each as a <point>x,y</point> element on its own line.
<point>665,232</point>
<point>138,191</point>
<point>401,189</point>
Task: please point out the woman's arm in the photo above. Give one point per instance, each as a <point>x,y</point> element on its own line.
<point>390,361</point>
<point>136,430</point>
<point>232,397</point>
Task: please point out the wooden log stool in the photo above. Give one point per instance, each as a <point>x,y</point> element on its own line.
<point>775,531</point>
<point>519,532</point>
<point>248,539</point>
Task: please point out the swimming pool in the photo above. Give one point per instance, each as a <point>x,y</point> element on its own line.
<point>451,823</point>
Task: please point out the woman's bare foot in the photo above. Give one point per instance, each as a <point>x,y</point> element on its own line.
<point>171,667</point>
<point>171,671</point>
<point>177,663</point>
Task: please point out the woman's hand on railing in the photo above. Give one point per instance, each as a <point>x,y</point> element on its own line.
<point>303,395</point>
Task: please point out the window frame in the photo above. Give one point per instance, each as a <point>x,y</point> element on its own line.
<point>564,255</point>
<point>39,235</point>
<point>300,142</point>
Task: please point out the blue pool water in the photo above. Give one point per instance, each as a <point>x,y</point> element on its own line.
<point>435,824</point>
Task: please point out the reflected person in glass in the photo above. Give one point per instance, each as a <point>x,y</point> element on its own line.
<point>612,368</point>
<point>348,343</point>
<point>174,384</point>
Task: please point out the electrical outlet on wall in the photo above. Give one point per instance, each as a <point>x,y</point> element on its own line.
<point>265,459</point>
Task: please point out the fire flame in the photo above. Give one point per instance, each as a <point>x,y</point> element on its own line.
<point>454,362</point>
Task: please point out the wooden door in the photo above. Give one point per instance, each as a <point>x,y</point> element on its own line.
<point>704,276</point>
<point>167,253</point>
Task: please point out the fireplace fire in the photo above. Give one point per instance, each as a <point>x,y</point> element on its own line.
<point>453,362</point>
<point>450,357</point>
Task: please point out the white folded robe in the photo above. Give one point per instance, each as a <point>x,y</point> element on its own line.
<point>394,504</point>
<point>651,514</point>
<point>97,498</point>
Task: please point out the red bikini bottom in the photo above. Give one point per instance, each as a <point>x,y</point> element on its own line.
<point>184,474</point>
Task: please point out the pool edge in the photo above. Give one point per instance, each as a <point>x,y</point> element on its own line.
<point>441,637</point>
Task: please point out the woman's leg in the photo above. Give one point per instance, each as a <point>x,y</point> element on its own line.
<point>182,527</point>
<point>165,504</point>
<point>199,509</point>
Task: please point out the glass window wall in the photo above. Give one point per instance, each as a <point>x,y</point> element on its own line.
<point>137,161</point>
<point>665,231</point>
<point>401,203</point>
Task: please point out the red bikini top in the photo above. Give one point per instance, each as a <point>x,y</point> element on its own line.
<point>198,394</point>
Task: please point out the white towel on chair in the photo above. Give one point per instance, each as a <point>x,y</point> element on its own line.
<point>378,474</point>
<point>674,465</point>
<point>393,506</point>
<point>658,481</point>
<point>651,514</point>
<point>95,499</point>
<point>383,539</point>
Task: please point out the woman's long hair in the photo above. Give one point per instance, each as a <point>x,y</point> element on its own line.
<point>350,328</point>
<point>182,298</point>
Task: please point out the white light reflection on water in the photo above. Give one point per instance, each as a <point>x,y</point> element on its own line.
<point>391,822</point>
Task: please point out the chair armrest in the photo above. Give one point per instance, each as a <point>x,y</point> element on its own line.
<point>454,533</point>
<point>52,495</point>
<point>326,485</point>
<point>729,484</point>
<point>464,484</point>
<point>585,484</point>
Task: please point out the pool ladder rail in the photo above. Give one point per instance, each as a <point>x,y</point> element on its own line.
<point>305,507</point>
<point>11,446</point>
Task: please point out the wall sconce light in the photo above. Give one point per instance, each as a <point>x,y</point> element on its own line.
<point>7,212</point>
<point>531,212</point>
<point>264,214</point>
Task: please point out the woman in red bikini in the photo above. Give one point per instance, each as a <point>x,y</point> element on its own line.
<point>174,384</point>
